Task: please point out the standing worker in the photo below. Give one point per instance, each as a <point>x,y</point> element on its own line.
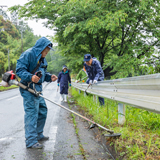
<point>30,62</point>
<point>94,71</point>
<point>63,79</point>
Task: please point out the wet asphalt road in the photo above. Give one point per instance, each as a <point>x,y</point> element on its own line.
<point>63,143</point>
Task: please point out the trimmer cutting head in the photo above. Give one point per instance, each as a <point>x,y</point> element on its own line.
<point>113,135</point>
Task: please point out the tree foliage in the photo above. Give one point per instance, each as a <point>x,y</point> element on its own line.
<point>56,60</point>
<point>121,34</point>
<point>10,42</point>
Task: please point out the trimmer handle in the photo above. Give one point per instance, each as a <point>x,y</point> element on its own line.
<point>39,74</point>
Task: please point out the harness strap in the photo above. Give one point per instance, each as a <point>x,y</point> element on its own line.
<point>38,65</point>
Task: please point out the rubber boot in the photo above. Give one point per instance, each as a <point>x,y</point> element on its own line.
<point>62,97</point>
<point>65,97</point>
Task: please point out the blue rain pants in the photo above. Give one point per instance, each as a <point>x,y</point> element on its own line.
<point>101,100</point>
<point>64,88</point>
<point>35,117</point>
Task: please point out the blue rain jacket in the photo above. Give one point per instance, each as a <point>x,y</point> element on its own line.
<point>29,60</point>
<point>35,107</point>
<point>94,71</point>
<point>63,79</point>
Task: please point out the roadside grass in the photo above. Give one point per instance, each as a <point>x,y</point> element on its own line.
<point>7,88</point>
<point>140,137</point>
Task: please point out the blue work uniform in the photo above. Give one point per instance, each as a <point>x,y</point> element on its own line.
<point>63,79</point>
<point>95,72</point>
<point>35,107</point>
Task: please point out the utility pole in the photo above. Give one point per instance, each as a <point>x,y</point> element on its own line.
<point>8,61</point>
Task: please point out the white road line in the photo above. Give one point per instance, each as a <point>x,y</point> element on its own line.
<point>52,133</point>
<point>49,145</point>
<point>12,98</point>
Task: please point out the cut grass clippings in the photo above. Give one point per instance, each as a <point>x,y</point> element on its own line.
<point>140,137</point>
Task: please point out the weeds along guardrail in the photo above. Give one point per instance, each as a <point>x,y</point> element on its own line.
<point>141,92</point>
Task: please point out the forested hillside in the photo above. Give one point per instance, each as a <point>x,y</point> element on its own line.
<point>14,39</point>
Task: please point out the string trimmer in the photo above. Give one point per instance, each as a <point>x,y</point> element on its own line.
<point>9,79</point>
<point>81,79</point>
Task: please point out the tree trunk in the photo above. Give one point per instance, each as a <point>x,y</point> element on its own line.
<point>101,58</point>
<point>107,71</point>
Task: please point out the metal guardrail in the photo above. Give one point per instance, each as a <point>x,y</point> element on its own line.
<point>141,91</point>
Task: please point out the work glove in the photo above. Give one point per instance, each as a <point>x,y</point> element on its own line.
<point>58,84</point>
<point>76,81</point>
<point>95,81</point>
<point>90,82</point>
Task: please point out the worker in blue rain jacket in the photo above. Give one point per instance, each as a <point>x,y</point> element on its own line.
<point>35,107</point>
<point>94,71</point>
<point>63,79</point>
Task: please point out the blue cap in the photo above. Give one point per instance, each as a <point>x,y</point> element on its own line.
<point>64,67</point>
<point>50,46</point>
<point>87,57</point>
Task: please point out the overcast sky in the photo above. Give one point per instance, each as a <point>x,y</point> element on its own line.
<point>37,27</point>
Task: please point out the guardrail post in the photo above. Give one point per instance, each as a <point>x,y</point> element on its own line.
<point>84,94</point>
<point>79,91</point>
<point>121,113</point>
<point>95,98</point>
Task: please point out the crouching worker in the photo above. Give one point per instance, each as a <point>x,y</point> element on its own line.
<point>94,71</point>
<point>31,61</point>
<point>63,79</point>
